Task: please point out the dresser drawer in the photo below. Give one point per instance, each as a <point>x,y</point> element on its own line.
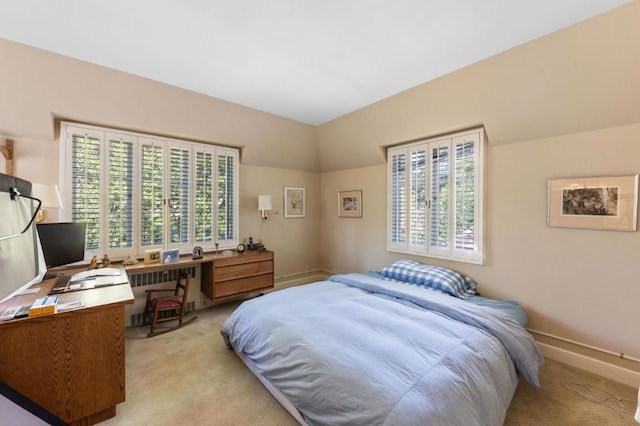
<point>233,272</point>
<point>250,257</point>
<point>229,276</point>
<point>242,285</point>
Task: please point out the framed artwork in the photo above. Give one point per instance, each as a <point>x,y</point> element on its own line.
<point>170,256</point>
<point>294,200</point>
<point>350,203</point>
<point>153,256</point>
<point>609,202</point>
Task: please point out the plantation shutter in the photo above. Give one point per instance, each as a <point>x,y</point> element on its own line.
<point>204,192</point>
<point>137,192</point>
<point>435,197</point>
<point>397,169</point>
<point>152,194</point>
<point>85,185</point>
<point>226,195</point>
<point>466,203</point>
<point>179,195</point>
<point>418,198</point>
<point>120,190</point>
<point>439,211</point>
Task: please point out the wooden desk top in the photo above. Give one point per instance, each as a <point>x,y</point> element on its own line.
<point>183,261</point>
<point>93,298</point>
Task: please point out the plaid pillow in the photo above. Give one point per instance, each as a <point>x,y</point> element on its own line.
<point>435,277</point>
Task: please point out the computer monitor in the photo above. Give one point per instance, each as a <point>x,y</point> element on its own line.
<point>62,243</point>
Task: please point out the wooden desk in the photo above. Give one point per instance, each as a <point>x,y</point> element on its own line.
<point>72,363</point>
<point>225,276</point>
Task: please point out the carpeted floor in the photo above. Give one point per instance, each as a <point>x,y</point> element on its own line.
<point>188,376</point>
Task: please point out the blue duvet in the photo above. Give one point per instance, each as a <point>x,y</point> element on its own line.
<point>358,350</point>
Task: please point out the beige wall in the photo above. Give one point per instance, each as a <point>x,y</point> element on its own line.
<point>580,284</point>
<point>37,86</point>
<point>582,78</point>
<point>294,240</point>
<point>354,244</point>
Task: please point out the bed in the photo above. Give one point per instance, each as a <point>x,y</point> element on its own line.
<point>386,349</point>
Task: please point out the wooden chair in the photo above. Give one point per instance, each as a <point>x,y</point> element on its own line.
<point>168,308</point>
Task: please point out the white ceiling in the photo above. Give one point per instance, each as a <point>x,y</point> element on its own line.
<point>311,61</point>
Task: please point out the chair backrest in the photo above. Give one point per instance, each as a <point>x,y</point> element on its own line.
<point>182,284</point>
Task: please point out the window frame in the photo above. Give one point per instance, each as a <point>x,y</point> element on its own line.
<point>105,135</point>
<point>399,181</point>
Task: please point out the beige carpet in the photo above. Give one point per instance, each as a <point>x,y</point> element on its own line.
<point>188,376</point>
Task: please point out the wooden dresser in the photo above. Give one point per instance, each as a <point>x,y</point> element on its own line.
<point>237,274</point>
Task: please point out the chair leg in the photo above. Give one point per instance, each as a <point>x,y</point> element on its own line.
<point>154,319</point>
<point>181,324</point>
<point>146,316</point>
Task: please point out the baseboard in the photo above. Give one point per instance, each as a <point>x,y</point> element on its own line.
<point>299,279</point>
<point>592,365</point>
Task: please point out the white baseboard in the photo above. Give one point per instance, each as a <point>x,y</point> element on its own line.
<point>294,281</point>
<point>592,365</point>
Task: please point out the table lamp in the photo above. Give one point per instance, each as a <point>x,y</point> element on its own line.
<point>48,195</point>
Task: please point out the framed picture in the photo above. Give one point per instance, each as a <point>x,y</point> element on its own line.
<point>294,201</point>
<point>170,256</point>
<point>350,203</point>
<point>609,202</point>
<point>153,256</point>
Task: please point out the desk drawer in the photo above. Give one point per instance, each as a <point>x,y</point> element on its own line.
<point>242,285</point>
<point>232,272</point>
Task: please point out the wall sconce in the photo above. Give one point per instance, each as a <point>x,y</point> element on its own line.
<point>264,205</point>
<point>49,196</point>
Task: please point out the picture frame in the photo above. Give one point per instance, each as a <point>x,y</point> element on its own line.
<point>350,203</point>
<point>153,256</point>
<point>607,202</point>
<point>294,202</point>
<point>170,256</point>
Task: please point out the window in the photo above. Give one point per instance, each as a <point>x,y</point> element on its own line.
<point>137,192</point>
<point>435,197</point>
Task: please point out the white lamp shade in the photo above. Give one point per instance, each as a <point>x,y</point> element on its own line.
<point>264,202</point>
<point>47,194</point>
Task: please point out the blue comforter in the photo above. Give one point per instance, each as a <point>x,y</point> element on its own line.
<point>359,350</point>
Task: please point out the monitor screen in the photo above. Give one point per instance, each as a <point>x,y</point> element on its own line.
<point>62,243</point>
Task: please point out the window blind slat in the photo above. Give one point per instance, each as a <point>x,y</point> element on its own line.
<point>464,196</point>
<point>85,185</point>
<point>152,195</point>
<point>120,203</point>
<point>398,191</point>
<point>439,212</point>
